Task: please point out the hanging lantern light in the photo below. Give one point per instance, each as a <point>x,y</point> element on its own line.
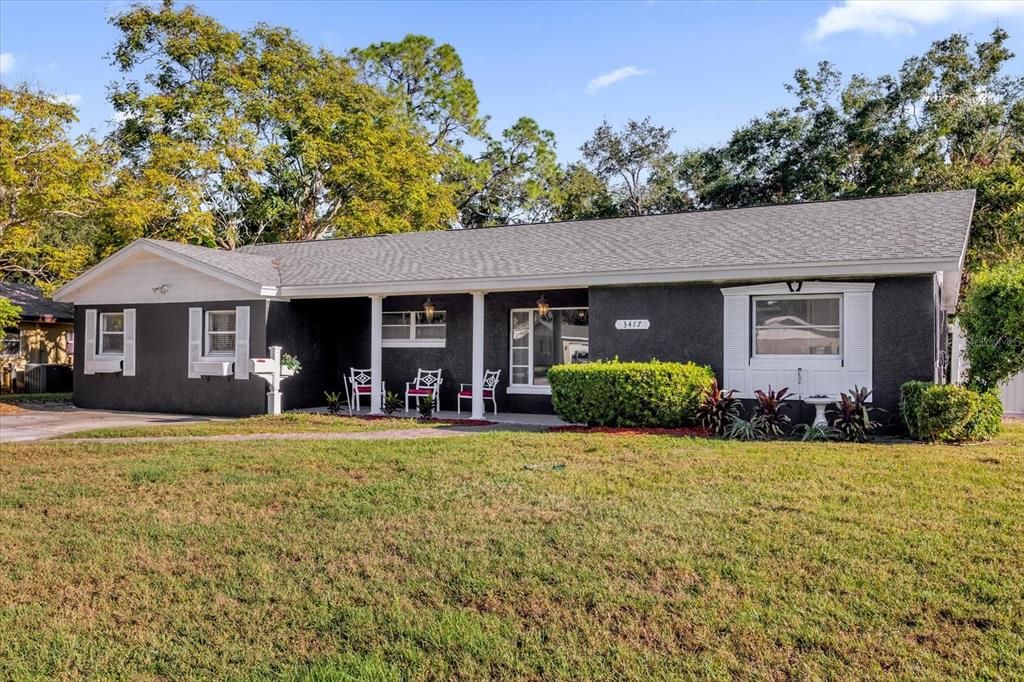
<point>428,309</point>
<point>543,307</point>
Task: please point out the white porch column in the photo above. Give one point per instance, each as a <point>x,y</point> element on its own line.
<point>478,355</point>
<point>376,320</point>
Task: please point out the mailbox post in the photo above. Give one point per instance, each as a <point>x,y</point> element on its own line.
<point>270,370</point>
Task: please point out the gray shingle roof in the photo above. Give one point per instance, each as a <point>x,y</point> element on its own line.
<point>931,226</point>
<point>34,304</point>
<point>254,267</point>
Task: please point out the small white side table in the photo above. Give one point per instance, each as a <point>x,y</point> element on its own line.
<point>819,409</point>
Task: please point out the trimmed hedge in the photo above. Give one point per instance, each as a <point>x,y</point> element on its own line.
<point>652,394</point>
<point>949,413</point>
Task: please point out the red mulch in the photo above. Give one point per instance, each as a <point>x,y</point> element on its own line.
<point>686,431</point>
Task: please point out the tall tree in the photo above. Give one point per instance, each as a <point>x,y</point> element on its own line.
<point>238,137</point>
<point>627,159</point>
<point>510,178</point>
<point>52,189</point>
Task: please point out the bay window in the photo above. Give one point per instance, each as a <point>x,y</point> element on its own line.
<point>538,342</point>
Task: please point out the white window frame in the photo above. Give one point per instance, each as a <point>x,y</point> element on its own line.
<point>412,341</point>
<point>9,335</point>
<point>530,388</point>
<point>100,333</point>
<point>787,357</point>
<point>208,333</point>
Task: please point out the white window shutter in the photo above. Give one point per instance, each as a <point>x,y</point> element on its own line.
<point>857,336</point>
<point>90,340</point>
<point>128,364</point>
<point>242,342</point>
<point>195,340</point>
<point>736,353</point>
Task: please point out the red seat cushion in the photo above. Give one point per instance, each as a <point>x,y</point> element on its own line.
<point>469,394</point>
<point>420,391</point>
<point>363,389</point>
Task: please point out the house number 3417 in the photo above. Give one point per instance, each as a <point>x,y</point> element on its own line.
<point>632,324</point>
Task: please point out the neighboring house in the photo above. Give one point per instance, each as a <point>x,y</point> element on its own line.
<point>36,356</point>
<point>815,296</point>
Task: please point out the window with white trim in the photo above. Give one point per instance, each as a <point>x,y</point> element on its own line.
<point>413,329</point>
<point>111,334</point>
<point>10,344</point>
<point>220,332</point>
<point>538,342</point>
<point>796,325</point>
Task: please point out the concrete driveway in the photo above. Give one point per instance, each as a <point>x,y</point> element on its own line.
<point>37,424</point>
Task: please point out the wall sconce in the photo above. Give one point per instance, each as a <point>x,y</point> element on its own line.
<point>162,289</point>
<point>428,309</point>
<point>543,307</point>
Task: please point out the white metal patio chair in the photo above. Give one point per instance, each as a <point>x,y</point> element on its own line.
<point>427,383</point>
<point>358,383</point>
<point>491,378</point>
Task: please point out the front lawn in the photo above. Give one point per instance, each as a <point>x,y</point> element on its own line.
<point>289,422</point>
<point>645,557</point>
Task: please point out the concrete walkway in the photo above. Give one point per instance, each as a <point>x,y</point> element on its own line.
<point>388,434</point>
<point>32,423</point>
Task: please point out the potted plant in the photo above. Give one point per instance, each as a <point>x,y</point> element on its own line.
<point>290,365</point>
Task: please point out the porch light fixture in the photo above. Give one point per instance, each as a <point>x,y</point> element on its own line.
<point>543,307</point>
<point>428,309</point>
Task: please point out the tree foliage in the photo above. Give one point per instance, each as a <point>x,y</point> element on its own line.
<point>9,314</point>
<point>233,137</point>
<point>992,318</point>
<point>52,188</point>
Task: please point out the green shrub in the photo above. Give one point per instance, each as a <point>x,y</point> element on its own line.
<point>649,394</point>
<point>992,317</point>
<point>949,413</point>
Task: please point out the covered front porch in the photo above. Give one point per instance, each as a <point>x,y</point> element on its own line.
<point>386,339</point>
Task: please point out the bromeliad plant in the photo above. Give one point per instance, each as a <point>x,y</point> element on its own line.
<point>768,417</point>
<point>718,409</point>
<point>392,403</point>
<point>851,416</point>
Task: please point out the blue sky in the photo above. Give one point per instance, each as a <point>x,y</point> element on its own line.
<point>702,68</point>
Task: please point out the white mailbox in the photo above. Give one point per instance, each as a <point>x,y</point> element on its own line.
<point>264,367</point>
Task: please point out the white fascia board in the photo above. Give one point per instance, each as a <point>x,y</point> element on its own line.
<point>584,280</point>
<point>64,293</point>
<point>781,288</point>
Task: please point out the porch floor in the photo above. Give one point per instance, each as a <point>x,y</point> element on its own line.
<point>515,419</point>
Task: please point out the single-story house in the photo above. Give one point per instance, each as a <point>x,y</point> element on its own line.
<point>815,296</point>
<point>36,354</point>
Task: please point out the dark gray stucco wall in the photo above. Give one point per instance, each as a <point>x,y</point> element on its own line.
<point>327,336</point>
<point>161,382</point>
<point>904,346</point>
<point>686,324</point>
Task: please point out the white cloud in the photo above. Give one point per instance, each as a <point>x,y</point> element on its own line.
<point>6,62</point>
<point>900,17</point>
<point>606,79</point>
<point>73,100</point>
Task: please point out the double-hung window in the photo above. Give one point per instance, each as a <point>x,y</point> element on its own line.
<point>538,342</point>
<point>111,333</point>
<point>412,329</point>
<point>797,325</point>
<point>220,332</point>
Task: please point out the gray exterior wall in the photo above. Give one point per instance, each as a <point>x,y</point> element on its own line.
<point>687,324</point>
<point>161,383</point>
<point>329,336</point>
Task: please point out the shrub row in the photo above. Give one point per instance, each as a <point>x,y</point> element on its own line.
<point>651,394</point>
<point>949,413</point>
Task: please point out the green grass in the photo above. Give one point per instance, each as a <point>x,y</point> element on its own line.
<point>35,397</point>
<point>644,558</point>
<point>292,422</point>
